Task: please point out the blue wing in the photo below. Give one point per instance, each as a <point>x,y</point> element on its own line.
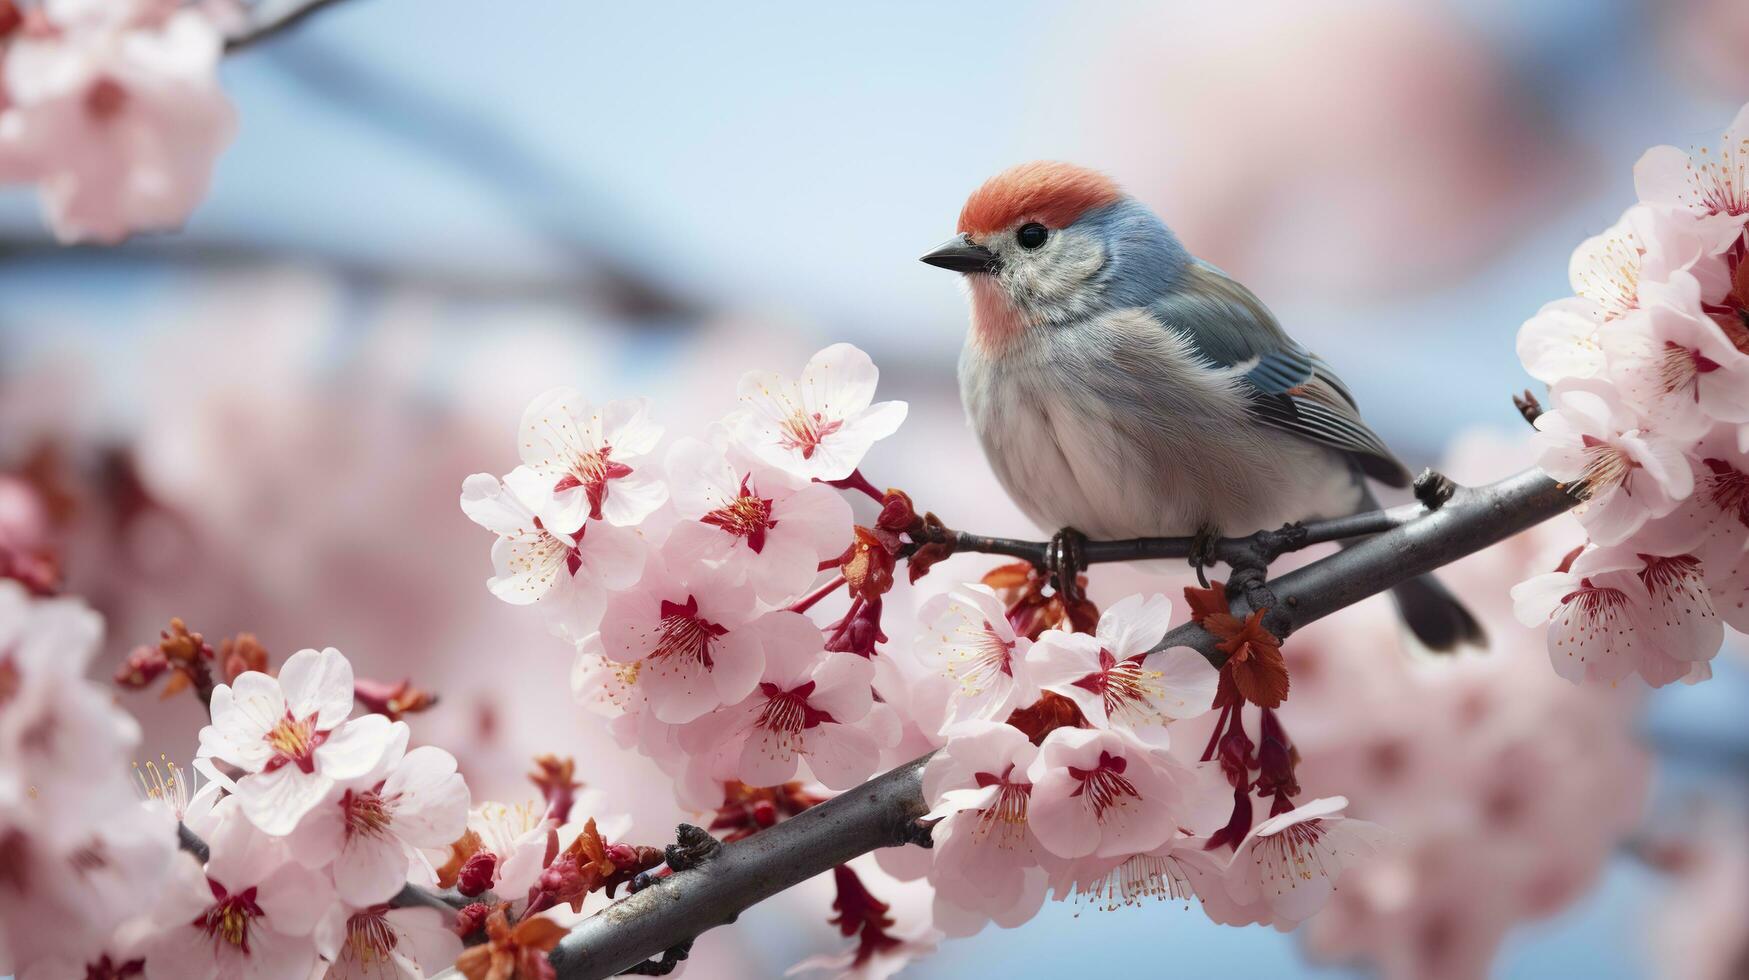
<point>1289,387</point>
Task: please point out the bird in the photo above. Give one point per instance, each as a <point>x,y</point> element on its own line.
<point>1122,387</point>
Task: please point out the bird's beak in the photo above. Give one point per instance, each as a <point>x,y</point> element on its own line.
<point>963,255</point>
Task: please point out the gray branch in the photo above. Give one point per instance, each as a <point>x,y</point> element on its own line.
<point>272,17</point>
<point>881,812</point>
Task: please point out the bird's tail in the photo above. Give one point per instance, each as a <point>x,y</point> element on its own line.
<point>1433,614</point>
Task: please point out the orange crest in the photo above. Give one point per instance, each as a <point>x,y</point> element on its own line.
<point>1053,193</point>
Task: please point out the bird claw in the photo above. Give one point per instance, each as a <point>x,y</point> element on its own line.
<point>1202,551</point>
<point>1065,560</point>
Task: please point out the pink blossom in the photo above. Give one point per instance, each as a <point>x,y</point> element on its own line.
<point>595,462</point>
<point>569,574</point>
<point>63,903</point>
<point>1113,677</point>
<point>820,427</point>
<point>1706,181</point>
<point>967,633</point>
<point>1678,364</point>
<point>696,638</point>
<point>1168,873</point>
<point>1103,793</point>
<point>1629,474</point>
<point>290,737</point>
<point>808,706</point>
<point>383,829</point>
<point>761,523</point>
<point>515,837</point>
<point>986,860</point>
<point>1614,612</point>
<point>250,915</point>
<point>1287,866</point>
<point>63,743</point>
<point>382,943</point>
<point>1561,341</point>
<point>117,119</point>
<point>1622,269</point>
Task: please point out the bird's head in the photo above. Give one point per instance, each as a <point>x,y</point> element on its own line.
<point>1044,244</point>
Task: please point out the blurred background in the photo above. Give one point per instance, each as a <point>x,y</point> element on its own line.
<point>435,209</point>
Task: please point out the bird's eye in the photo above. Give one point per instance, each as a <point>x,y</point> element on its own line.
<point>1031,235</point>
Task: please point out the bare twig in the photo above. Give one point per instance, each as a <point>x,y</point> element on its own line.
<point>410,896</point>
<point>883,812</point>
<point>273,17</point>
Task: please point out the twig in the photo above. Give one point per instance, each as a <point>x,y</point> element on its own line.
<point>410,895</point>
<point>882,812</point>
<point>1235,552</point>
<point>280,17</point>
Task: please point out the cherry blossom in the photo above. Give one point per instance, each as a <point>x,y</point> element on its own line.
<point>1682,367</point>
<point>249,915</point>
<point>697,642</point>
<point>1629,475</point>
<point>595,462</point>
<point>1168,873</point>
<point>1613,612</point>
<point>63,744</point>
<point>761,523</point>
<point>63,903</point>
<point>117,118</point>
<point>807,706</point>
<point>1285,869</point>
<point>569,574</point>
<point>820,427</point>
<point>383,943</point>
<point>380,831</point>
<point>1103,793</point>
<point>968,633</point>
<point>1706,181</point>
<point>986,860</point>
<point>290,737</point>
<point>1114,679</point>
<point>1562,341</point>
<point>511,842</point>
<point>1616,272</point>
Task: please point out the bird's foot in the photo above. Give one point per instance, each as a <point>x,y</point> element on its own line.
<point>1065,560</point>
<point>1202,551</point>
<point>1264,547</point>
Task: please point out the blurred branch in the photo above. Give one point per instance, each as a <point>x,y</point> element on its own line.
<point>589,288</point>
<point>549,198</point>
<point>273,17</point>
<point>882,812</point>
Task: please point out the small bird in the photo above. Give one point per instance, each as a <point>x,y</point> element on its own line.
<point>1122,388</point>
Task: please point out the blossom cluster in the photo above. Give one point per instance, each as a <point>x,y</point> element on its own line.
<point>1648,372</point>
<point>1497,777</point>
<point>313,822</point>
<point>692,577</point>
<point>1099,802</point>
<point>683,573</point>
<point>112,109</point>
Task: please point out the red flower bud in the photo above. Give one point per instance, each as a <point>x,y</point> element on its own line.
<point>476,874</point>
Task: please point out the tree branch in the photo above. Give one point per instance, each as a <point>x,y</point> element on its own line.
<point>676,909</point>
<point>274,18</point>
<point>410,896</point>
